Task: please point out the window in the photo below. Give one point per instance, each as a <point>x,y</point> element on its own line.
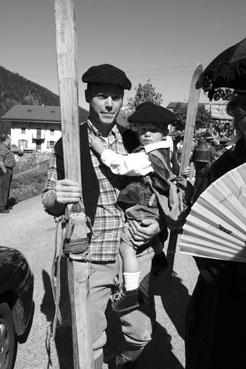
<point>23,131</point>
<point>52,132</point>
<point>50,144</point>
<point>22,144</point>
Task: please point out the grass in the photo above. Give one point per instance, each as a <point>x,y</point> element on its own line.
<point>29,177</point>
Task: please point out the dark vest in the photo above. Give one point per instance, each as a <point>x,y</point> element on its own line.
<point>90,185</point>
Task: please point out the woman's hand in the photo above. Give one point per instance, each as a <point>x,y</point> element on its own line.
<point>142,234</point>
<point>68,191</point>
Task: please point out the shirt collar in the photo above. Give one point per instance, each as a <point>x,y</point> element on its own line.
<point>114,131</point>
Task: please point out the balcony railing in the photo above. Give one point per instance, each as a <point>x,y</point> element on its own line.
<point>38,137</point>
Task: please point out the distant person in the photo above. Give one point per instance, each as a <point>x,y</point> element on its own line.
<point>202,158</point>
<point>7,163</point>
<point>211,147</point>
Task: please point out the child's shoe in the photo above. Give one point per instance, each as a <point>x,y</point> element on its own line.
<point>125,301</point>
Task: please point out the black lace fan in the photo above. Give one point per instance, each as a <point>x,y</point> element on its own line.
<point>227,72</point>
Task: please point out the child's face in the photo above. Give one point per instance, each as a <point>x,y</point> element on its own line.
<point>149,133</point>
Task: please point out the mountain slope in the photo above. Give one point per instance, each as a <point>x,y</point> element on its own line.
<point>15,89</point>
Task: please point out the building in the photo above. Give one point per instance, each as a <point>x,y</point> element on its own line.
<point>216,109</point>
<point>33,127</point>
<point>218,112</point>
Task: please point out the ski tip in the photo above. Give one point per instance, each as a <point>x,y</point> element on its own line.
<point>199,67</point>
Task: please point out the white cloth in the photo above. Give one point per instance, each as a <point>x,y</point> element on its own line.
<point>167,143</point>
<point>131,280</point>
<point>135,164</point>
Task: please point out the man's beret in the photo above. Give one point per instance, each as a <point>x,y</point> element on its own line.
<point>107,74</point>
<point>149,112</point>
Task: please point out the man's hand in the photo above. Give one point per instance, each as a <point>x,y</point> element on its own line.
<point>68,191</point>
<point>142,234</point>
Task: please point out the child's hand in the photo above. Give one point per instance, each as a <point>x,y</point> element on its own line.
<point>187,172</point>
<point>96,144</point>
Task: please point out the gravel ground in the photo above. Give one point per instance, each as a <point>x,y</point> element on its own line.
<point>29,229</point>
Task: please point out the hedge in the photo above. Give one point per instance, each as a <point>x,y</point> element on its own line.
<point>29,183</point>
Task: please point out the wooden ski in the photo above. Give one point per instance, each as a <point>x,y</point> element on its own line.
<point>78,272</point>
<point>193,101</point>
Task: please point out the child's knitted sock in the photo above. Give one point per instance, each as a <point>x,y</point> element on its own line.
<point>131,280</point>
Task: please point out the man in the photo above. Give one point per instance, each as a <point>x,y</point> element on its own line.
<point>104,94</point>
<point>202,157</point>
<point>7,163</point>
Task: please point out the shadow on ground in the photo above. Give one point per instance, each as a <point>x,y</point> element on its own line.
<point>158,353</point>
<point>175,298</point>
<point>63,338</point>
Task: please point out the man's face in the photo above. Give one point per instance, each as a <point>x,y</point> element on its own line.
<point>105,103</point>
<point>149,133</point>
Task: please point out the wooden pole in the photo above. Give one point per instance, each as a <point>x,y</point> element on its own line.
<point>193,101</point>
<point>78,272</point>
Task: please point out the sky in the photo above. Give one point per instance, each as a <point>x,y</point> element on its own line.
<point>160,40</point>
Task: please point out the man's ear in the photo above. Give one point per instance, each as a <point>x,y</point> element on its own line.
<point>87,96</point>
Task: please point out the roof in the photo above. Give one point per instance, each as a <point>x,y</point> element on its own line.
<point>172,105</point>
<point>218,110</point>
<point>33,113</point>
<point>182,105</point>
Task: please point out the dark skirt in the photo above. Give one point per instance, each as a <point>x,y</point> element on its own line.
<point>215,335</point>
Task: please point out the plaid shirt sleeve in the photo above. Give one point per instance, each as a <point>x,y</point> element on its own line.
<point>49,195</point>
<point>52,174</point>
<point>3,152</point>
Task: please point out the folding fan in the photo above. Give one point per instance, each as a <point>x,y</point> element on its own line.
<point>216,225</point>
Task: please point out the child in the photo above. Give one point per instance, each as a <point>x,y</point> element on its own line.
<point>138,198</point>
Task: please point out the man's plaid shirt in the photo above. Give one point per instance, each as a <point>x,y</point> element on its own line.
<point>109,218</point>
<point>7,157</point>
